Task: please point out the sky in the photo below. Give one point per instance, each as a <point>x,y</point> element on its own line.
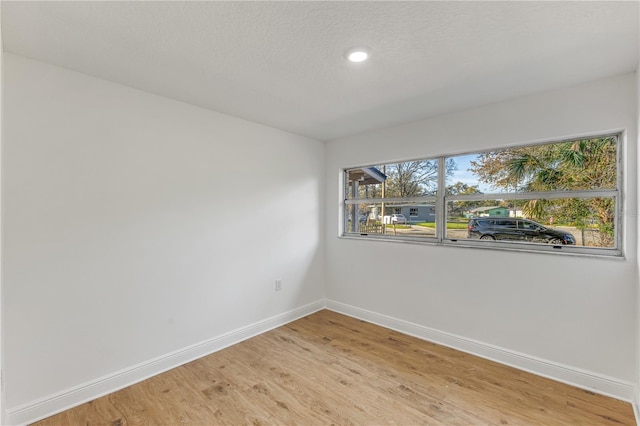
<point>462,174</point>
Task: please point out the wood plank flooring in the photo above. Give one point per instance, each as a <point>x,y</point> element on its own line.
<point>330,369</point>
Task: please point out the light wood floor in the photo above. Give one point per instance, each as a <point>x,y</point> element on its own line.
<point>329,369</point>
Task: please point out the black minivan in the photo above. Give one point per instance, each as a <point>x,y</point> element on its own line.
<point>516,229</point>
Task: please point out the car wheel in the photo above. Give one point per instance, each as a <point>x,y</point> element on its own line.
<point>555,241</point>
<point>488,237</point>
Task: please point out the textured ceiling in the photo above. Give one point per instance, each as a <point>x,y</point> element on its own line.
<point>282,63</point>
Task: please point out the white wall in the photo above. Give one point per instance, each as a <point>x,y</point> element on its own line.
<point>574,312</point>
<point>637,399</point>
<point>2,401</point>
<point>136,226</point>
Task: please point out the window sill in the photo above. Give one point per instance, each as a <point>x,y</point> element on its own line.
<point>501,246</point>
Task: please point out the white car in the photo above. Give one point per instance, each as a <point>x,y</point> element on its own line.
<point>398,218</point>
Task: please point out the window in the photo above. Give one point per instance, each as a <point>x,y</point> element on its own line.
<point>387,194</point>
<point>562,197</point>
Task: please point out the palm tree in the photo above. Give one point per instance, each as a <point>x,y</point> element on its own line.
<point>570,166</point>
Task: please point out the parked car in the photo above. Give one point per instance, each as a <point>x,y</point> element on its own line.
<point>516,229</point>
<point>398,218</point>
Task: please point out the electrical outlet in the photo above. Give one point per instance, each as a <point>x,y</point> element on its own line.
<point>278,285</point>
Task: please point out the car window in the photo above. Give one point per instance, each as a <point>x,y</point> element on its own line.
<point>535,226</point>
<point>505,223</point>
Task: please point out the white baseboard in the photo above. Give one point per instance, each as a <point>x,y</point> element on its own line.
<point>52,404</point>
<point>636,412</point>
<point>573,376</point>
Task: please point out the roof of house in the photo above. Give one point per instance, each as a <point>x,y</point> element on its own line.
<point>367,175</point>
<point>409,205</point>
<point>484,209</point>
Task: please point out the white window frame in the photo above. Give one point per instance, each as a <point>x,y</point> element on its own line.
<point>441,199</point>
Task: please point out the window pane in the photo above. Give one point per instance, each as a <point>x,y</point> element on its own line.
<point>411,178</point>
<point>464,180</point>
<point>392,219</point>
<point>578,165</point>
<point>588,222</point>
<point>396,180</point>
<point>354,218</point>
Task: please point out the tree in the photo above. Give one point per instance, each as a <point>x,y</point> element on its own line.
<point>414,178</point>
<point>460,207</point>
<point>569,166</point>
<point>461,188</point>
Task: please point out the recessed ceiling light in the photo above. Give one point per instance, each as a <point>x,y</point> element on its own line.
<point>357,55</point>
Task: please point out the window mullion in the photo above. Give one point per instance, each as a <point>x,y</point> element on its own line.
<point>426,199</point>
<point>551,195</point>
<point>441,206</point>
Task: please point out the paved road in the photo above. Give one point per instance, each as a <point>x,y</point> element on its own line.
<point>421,231</point>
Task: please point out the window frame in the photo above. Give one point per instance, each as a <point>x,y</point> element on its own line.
<point>441,199</point>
